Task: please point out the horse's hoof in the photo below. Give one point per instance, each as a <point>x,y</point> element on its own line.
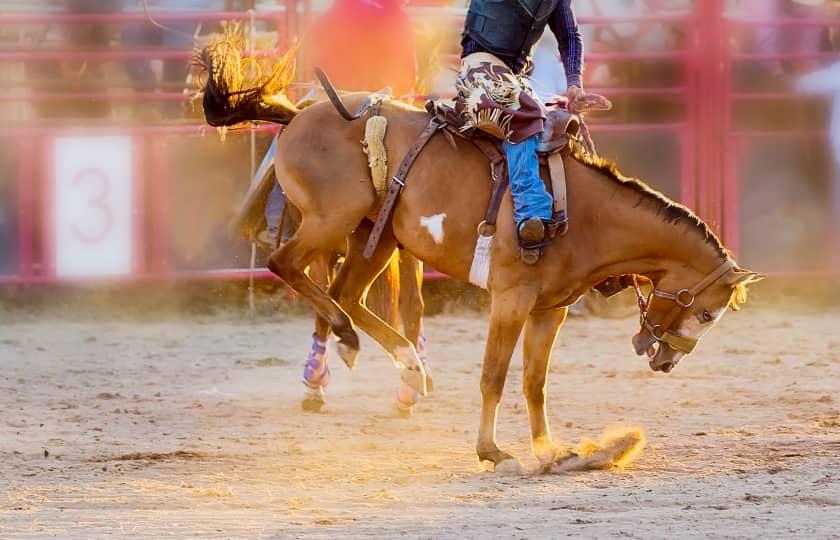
<point>416,379</point>
<point>348,354</point>
<point>509,467</point>
<point>414,371</point>
<point>500,461</point>
<point>403,411</point>
<point>430,383</point>
<point>546,453</point>
<point>313,400</point>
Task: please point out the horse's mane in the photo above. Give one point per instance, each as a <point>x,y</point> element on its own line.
<point>670,211</point>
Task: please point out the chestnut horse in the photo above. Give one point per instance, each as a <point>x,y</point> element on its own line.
<point>619,227</point>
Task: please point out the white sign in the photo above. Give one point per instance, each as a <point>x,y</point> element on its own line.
<point>93,206</point>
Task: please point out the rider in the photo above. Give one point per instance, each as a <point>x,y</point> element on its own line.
<point>497,43</point>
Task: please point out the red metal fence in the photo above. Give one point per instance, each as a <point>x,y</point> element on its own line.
<point>696,153</point>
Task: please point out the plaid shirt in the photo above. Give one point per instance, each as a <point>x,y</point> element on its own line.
<point>565,28</point>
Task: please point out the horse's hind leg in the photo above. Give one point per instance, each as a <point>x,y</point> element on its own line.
<point>316,370</point>
<point>349,289</point>
<point>540,332</point>
<point>289,262</point>
<point>411,308</point>
<point>411,299</point>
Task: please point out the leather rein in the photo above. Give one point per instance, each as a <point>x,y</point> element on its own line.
<point>683,299</point>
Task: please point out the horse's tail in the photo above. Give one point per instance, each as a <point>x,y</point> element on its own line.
<point>238,89</point>
<point>383,296</point>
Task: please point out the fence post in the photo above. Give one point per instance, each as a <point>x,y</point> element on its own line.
<point>25,210</point>
<point>710,126</point>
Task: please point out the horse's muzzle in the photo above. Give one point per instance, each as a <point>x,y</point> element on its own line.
<point>665,358</point>
<point>661,357</point>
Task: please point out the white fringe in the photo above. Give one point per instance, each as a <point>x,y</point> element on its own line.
<point>480,269</point>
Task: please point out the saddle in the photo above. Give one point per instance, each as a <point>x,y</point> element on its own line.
<point>559,128</point>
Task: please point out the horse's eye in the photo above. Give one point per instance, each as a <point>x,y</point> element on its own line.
<point>707,317</point>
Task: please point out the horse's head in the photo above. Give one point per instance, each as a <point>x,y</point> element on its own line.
<point>674,322</point>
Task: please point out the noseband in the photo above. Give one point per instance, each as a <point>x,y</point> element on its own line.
<point>684,299</point>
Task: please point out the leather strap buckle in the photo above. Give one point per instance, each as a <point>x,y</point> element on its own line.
<point>678,298</point>
<point>486,229</point>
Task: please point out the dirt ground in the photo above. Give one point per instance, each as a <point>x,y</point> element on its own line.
<point>193,428</point>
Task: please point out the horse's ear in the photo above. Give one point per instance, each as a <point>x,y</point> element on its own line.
<point>740,276</point>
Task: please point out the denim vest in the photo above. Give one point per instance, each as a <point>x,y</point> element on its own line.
<point>508,28</point>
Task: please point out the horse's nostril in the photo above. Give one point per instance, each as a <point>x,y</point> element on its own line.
<point>667,367</point>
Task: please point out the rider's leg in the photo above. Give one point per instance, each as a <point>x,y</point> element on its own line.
<point>532,205</point>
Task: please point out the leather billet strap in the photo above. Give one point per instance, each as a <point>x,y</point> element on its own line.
<point>683,299</point>
<point>499,173</point>
<point>397,185</point>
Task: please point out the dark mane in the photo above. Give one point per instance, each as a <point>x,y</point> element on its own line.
<point>670,211</point>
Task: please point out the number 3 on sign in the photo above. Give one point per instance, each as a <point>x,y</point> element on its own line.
<point>94,223</point>
<point>97,186</point>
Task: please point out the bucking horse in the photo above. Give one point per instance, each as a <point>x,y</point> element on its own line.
<point>618,227</point>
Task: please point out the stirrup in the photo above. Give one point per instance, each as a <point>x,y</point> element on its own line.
<point>530,253</point>
<point>535,242</point>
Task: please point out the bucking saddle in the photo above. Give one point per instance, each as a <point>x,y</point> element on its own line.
<point>561,126</point>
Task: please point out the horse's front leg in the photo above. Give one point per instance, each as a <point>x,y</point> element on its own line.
<point>509,311</point>
<point>540,332</point>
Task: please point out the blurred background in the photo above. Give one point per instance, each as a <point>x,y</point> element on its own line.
<point>107,172</point>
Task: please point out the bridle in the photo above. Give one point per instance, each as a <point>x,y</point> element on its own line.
<point>683,299</point>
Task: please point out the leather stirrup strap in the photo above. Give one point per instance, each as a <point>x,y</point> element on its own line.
<point>557,170</point>
<point>397,185</point>
<point>498,164</point>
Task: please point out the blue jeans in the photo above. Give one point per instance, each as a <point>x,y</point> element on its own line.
<point>530,198</point>
<point>274,208</point>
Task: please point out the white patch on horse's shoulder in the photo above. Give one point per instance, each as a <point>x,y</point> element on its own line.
<point>434,224</point>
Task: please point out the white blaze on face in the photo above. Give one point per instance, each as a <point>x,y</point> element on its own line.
<point>693,328</point>
<point>434,224</point>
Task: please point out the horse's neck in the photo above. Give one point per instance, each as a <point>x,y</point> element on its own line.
<point>631,237</point>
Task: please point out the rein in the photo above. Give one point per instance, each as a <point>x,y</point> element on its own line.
<point>683,299</point>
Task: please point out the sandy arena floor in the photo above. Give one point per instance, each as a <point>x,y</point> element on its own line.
<point>194,429</point>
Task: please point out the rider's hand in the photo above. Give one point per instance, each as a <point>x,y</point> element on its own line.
<point>573,92</point>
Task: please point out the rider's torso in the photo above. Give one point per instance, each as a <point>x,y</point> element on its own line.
<point>508,28</point>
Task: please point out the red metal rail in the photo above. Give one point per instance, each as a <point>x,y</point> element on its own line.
<point>708,162</point>
<point>157,267</point>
